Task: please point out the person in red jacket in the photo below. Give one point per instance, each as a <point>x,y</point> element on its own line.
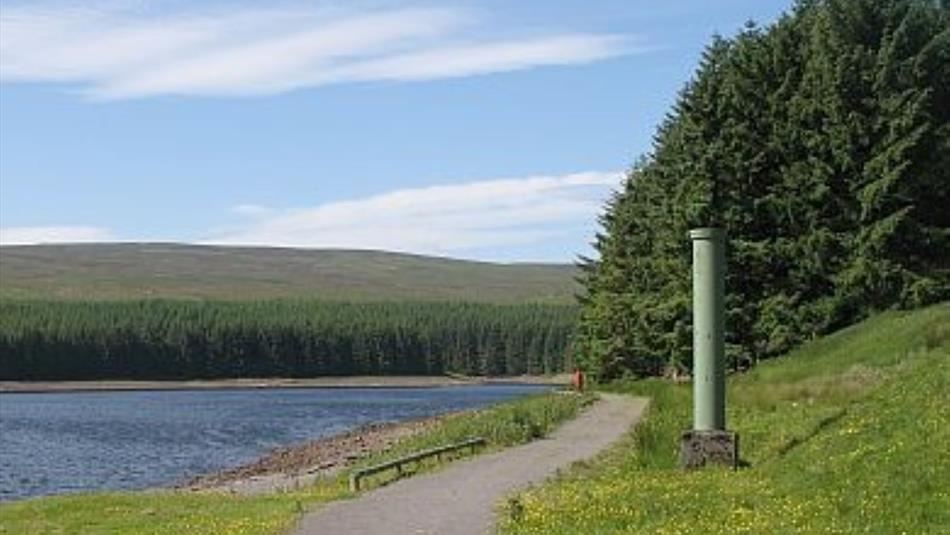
<point>577,380</point>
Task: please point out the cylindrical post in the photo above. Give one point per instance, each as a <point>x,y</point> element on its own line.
<point>709,373</point>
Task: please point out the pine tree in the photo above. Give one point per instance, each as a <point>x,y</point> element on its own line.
<point>821,145</point>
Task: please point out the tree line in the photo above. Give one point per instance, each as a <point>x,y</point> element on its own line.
<point>821,144</point>
<point>156,339</point>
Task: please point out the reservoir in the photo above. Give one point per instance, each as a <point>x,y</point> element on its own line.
<point>91,441</point>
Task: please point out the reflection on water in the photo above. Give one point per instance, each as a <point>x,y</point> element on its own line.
<point>56,443</point>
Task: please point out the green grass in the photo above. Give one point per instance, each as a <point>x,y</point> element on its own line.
<point>173,271</point>
<point>847,434</point>
<point>160,513</point>
<point>170,512</point>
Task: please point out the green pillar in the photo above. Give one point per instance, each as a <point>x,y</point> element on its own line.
<point>709,366</point>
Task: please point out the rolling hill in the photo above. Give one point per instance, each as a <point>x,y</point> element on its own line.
<point>176,271</point>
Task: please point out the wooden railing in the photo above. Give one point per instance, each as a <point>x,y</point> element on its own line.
<point>397,464</point>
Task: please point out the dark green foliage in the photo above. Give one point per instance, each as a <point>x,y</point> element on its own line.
<point>57,340</point>
<point>822,145</point>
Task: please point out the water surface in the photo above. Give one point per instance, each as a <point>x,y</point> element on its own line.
<point>69,442</point>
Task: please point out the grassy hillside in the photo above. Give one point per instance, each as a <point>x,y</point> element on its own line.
<point>135,271</point>
<point>847,434</point>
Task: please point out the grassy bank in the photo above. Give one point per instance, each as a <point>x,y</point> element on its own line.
<point>847,434</point>
<point>168,512</point>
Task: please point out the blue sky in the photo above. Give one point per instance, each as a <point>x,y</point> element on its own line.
<point>476,129</point>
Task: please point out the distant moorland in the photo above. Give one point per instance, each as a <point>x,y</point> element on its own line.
<point>174,271</point>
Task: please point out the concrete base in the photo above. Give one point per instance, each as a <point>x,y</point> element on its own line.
<point>700,448</point>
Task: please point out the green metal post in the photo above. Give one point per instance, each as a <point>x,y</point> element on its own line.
<point>709,373</point>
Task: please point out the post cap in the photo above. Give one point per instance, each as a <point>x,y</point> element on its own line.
<point>707,233</point>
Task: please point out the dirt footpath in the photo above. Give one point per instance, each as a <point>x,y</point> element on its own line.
<point>461,499</point>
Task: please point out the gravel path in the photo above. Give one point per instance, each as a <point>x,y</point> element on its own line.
<point>461,498</point>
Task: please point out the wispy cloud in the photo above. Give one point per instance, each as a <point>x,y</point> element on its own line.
<point>243,51</point>
<point>54,234</point>
<point>446,219</point>
<point>251,210</point>
<point>535,217</point>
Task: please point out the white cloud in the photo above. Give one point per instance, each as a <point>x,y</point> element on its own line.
<point>470,60</point>
<point>53,234</point>
<point>251,210</point>
<point>529,218</point>
<point>446,219</point>
<point>242,51</point>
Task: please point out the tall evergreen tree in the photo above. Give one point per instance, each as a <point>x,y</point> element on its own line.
<point>822,145</point>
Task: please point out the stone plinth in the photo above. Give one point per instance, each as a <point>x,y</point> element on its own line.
<point>701,448</point>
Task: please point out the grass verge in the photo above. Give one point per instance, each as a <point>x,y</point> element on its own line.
<point>502,426</point>
<point>208,513</point>
<point>847,434</point>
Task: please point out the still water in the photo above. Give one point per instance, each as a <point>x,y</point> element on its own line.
<point>69,442</point>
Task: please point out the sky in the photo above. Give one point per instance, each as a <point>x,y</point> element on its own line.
<point>481,129</point>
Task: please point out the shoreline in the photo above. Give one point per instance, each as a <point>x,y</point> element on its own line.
<point>393,381</point>
<point>292,467</point>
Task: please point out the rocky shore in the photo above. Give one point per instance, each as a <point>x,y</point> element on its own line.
<point>296,466</point>
<point>389,381</point>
